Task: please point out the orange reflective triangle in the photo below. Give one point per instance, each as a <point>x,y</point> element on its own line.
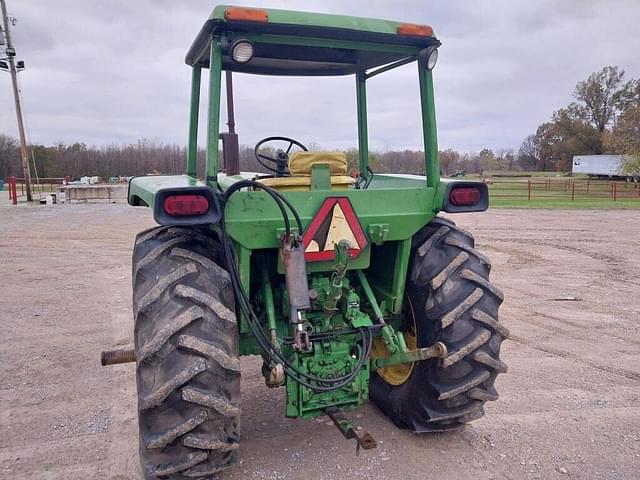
<point>335,221</point>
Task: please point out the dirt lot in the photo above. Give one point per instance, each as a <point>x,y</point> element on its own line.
<point>569,407</point>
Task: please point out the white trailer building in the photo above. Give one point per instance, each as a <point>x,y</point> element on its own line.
<point>598,165</point>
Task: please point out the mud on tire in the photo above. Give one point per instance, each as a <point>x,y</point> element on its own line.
<point>186,343</point>
<point>453,302</point>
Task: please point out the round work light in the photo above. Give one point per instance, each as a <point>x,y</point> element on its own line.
<point>432,59</point>
<point>429,57</point>
<point>241,51</point>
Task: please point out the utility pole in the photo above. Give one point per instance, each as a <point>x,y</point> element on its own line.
<point>11,53</point>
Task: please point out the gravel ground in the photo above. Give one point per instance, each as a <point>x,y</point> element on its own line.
<point>569,406</point>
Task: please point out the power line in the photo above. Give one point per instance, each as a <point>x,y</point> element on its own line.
<point>10,53</point>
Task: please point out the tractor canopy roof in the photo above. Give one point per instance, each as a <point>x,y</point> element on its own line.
<point>298,43</point>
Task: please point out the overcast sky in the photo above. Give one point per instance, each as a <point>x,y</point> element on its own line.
<point>113,71</point>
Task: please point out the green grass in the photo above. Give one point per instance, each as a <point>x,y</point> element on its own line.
<point>589,203</point>
<point>515,174</point>
<point>512,193</point>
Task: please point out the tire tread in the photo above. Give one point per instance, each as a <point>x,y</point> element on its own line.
<point>449,278</point>
<point>186,342</point>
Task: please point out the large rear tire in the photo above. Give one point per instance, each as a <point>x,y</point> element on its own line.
<point>186,344</point>
<point>449,299</point>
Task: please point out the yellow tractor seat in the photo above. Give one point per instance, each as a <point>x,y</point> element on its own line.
<point>300,165</point>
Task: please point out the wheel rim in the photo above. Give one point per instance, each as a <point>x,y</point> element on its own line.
<point>397,374</point>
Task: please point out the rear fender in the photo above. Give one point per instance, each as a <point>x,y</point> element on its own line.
<point>152,190</point>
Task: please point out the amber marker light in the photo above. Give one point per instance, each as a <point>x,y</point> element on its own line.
<point>232,14</point>
<point>412,29</point>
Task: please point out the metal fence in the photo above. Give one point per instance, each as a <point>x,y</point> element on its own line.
<point>561,188</point>
<point>40,185</point>
<point>17,188</point>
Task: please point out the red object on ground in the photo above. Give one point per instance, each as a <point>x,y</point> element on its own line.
<point>13,188</point>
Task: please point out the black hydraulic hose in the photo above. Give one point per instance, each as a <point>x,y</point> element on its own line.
<point>277,198</point>
<point>299,376</point>
<point>332,334</point>
<point>277,357</point>
<point>291,370</point>
<point>368,181</point>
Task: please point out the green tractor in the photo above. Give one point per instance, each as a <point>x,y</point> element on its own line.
<point>350,287</point>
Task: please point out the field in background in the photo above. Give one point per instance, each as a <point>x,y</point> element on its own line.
<point>562,192</point>
<point>506,190</point>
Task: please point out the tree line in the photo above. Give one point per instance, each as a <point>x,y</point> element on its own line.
<point>149,156</point>
<point>603,118</point>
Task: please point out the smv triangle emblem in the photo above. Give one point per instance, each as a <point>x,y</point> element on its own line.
<point>335,221</point>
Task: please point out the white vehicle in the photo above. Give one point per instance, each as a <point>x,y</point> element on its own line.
<point>599,165</point>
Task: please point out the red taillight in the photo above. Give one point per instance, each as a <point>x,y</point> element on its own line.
<point>186,205</point>
<point>464,197</point>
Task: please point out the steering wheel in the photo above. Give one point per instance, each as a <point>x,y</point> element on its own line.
<point>281,159</point>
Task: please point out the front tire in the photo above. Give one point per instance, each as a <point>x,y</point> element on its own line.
<point>186,344</point>
<point>451,301</point>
